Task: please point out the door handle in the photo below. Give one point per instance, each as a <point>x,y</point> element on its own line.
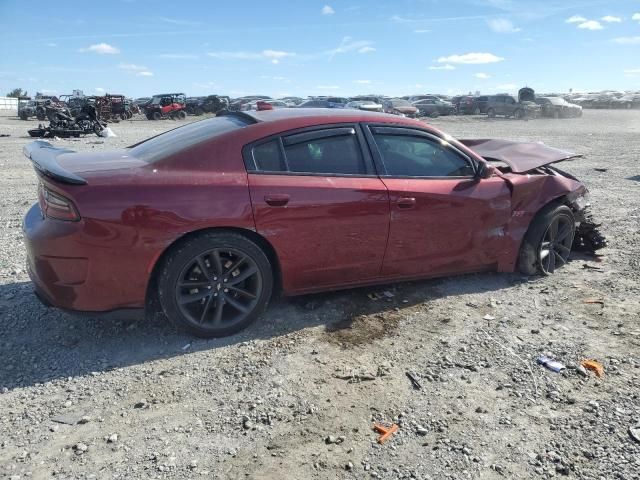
<point>406,202</point>
<point>277,200</point>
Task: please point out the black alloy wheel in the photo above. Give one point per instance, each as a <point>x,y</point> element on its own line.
<point>556,244</point>
<point>215,284</point>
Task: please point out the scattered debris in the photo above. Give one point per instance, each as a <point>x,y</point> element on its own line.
<point>414,381</point>
<point>385,432</point>
<point>550,364</point>
<point>489,317</point>
<point>597,169</point>
<point>593,366</point>
<point>586,266</point>
<point>594,301</point>
<point>69,418</point>
<point>588,237</point>
<point>634,433</point>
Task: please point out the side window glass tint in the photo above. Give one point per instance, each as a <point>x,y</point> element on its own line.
<point>405,155</point>
<point>268,157</point>
<point>331,155</point>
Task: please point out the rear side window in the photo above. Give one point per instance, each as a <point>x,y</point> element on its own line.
<point>268,157</point>
<point>409,156</point>
<point>334,151</point>
<point>332,155</point>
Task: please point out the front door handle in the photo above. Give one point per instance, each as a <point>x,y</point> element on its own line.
<point>277,200</point>
<point>406,202</point>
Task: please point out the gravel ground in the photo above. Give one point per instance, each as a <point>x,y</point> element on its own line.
<point>296,395</point>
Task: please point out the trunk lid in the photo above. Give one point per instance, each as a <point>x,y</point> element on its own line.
<point>76,168</point>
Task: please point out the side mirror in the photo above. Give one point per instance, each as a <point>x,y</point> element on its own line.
<point>486,171</point>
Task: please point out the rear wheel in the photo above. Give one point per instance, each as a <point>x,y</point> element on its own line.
<point>491,113</point>
<point>215,284</point>
<point>181,114</point>
<point>547,243</point>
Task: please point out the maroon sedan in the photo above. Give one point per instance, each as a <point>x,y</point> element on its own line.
<point>214,217</point>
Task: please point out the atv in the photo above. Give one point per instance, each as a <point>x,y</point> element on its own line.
<point>166,105</point>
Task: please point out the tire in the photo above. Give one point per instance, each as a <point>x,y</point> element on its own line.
<point>181,115</point>
<point>24,116</point>
<point>156,116</point>
<point>41,114</point>
<point>435,114</point>
<point>532,259</point>
<point>209,309</point>
<point>491,113</point>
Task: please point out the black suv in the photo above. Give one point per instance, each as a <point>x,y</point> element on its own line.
<point>509,106</point>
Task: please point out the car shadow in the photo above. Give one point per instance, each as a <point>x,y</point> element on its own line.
<point>41,344</point>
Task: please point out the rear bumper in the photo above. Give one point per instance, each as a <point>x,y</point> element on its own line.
<point>73,270</point>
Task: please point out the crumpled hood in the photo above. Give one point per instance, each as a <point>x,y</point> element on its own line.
<point>520,156</point>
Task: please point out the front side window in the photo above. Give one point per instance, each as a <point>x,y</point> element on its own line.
<point>413,156</point>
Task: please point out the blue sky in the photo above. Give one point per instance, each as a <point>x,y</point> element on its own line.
<point>339,47</point>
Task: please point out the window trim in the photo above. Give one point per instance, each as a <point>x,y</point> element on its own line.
<point>402,130</point>
<point>252,167</point>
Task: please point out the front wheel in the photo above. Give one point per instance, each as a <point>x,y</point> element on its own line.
<point>547,243</point>
<point>491,113</point>
<point>215,284</point>
<point>157,116</point>
<point>181,115</point>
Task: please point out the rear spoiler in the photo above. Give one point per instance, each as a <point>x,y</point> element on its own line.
<point>43,156</point>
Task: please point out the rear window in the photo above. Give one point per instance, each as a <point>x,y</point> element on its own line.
<point>181,138</point>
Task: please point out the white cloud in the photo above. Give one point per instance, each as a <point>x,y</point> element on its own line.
<point>422,30</point>
<point>101,49</point>
<point>482,76</point>
<point>442,67</point>
<point>502,25</point>
<point>328,87</point>
<point>362,82</point>
<point>611,19</point>
<point>591,25</point>
<point>132,67</point>
<point>471,58</point>
<point>627,40</point>
<point>576,19</point>
<point>636,16</point>
<point>327,10</point>
<point>99,89</point>
<point>272,55</point>
<point>366,50</point>
<point>144,74</point>
<point>632,71</point>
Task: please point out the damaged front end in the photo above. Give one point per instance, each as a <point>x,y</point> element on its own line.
<point>535,180</point>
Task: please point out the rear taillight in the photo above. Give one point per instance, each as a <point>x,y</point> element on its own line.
<point>263,106</point>
<point>56,206</point>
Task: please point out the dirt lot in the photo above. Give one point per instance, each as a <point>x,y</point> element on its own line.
<point>296,395</point>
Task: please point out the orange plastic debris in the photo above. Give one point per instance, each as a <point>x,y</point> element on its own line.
<point>385,432</point>
<point>594,366</point>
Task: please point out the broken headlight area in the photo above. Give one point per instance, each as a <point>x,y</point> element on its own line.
<point>588,237</point>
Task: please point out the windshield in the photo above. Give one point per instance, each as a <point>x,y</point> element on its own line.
<point>181,138</point>
<point>400,103</point>
<point>557,100</point>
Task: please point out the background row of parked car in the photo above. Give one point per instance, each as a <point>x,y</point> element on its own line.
<point>177,105</point>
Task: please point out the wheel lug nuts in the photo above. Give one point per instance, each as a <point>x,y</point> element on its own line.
<point>226,290</point>
<point>225,280</point>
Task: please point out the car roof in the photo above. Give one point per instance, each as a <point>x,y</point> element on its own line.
<point>329,115</point>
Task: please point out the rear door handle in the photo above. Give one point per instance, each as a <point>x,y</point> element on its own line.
<point>406,202</point>
<point>277,200</point>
